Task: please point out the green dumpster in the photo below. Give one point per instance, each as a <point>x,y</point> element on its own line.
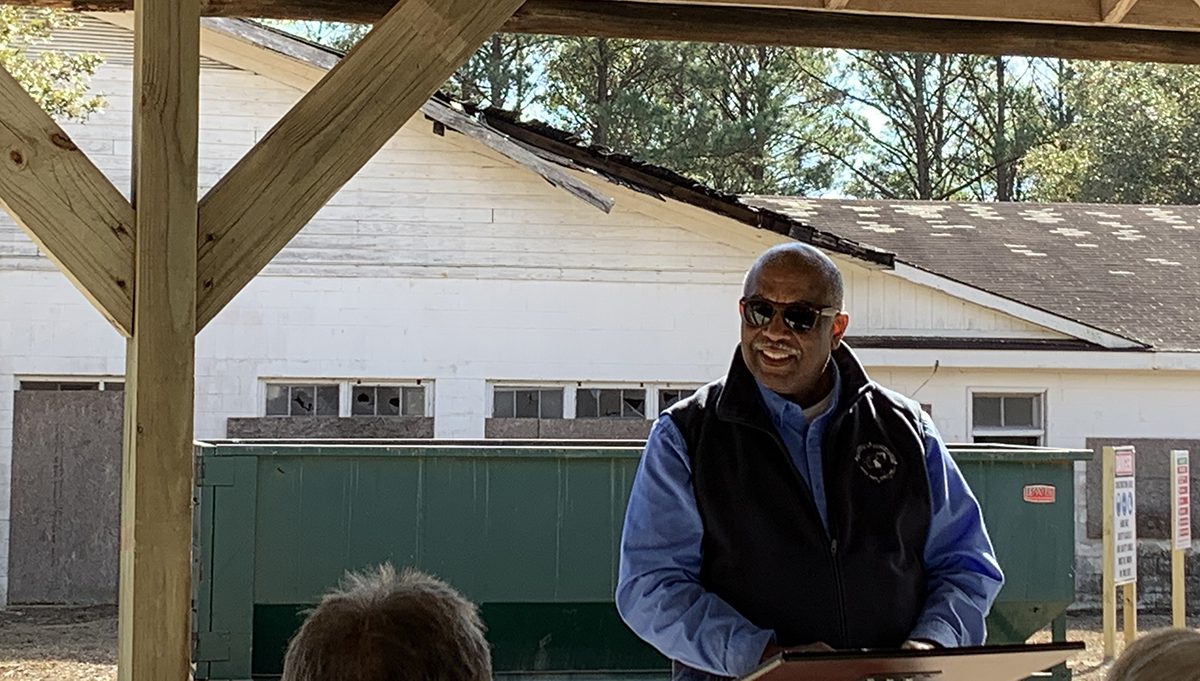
<point>529,533</point>
<point>529,530</point>
<point>1028,499</point>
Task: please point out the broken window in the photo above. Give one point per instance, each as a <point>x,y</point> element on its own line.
<point>620,403</point>
<point>387,400</point>
<point>284,399</point>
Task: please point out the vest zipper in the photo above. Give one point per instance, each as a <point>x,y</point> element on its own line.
<point>839,590</point>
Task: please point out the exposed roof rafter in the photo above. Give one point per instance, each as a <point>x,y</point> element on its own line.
<point>1114,11</point>
<point>1075,29</point>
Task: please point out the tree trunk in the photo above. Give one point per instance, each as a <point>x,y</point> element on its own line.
<point>1004,180</point>
<point>603,113</point>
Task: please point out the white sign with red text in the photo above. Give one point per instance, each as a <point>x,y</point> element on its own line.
<point>1181,515</point>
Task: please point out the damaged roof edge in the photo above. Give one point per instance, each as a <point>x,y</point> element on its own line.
<point>621,169</point>
<point>664,182</point>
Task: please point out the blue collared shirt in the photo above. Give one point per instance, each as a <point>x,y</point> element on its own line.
<point>659,593</point>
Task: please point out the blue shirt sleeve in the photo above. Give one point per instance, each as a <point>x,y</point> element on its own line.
<point>658,586</point>
<point>961,571</point>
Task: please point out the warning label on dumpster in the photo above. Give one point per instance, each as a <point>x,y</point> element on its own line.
<point>1039,494</point>
<point>1124,519</point>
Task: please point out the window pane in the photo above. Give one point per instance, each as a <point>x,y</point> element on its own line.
<point>414,401</point>
<point>587,403</point>
<point>610,403</point>
<point>633,404</point>
<point>552,404</point>
<point>362,400</point>
<point>527,403</point>
<point>502,404</point>
<point>1019,412</point>
<point>277,400</point>
<point>301,400</point>
<point>79,386</point>
<point>114,385</point>
<point>327,400</point>
<point>387,401</point>
<point>39,385</point>
<point>986,411</point>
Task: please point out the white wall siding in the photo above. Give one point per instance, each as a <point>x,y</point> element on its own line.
<point>882,303</point>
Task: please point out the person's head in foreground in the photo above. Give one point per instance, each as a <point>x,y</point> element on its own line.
<point>383,626</point>
<point>1163,655</point>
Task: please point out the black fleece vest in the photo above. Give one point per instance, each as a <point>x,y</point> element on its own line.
<point>765,551</point>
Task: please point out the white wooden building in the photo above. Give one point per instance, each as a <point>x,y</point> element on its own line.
<point>454,285</point>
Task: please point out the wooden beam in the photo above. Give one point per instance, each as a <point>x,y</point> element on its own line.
<point>154,622</point>
<point>836,4</point>
<point>1169,15</point>
<point>767,26</point>
<point>65,204</point>
<point>263,201</point>
<point>1114,11</point>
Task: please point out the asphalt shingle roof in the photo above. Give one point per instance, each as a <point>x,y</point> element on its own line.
<point>1132,270</point>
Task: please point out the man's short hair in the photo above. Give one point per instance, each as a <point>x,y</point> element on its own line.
<point>803,258</point>
<point>380,626</point>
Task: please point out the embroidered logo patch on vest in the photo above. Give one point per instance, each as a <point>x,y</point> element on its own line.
<point>876,461</point>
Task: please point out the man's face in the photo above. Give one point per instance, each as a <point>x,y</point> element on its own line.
<point>788,361</point>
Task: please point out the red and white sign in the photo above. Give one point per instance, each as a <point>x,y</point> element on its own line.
<point>1124,461</point>
<point>1039,494</point>
<point>1181,508</point>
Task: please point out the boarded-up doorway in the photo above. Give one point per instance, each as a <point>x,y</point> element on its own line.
<point>66,486</point>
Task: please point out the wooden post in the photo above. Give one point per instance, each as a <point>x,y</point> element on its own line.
<point>1129,608</point>
<point>1178,590</point>
<point>1181,532</point>
<point>154,629</point>
<point>1108,595</point>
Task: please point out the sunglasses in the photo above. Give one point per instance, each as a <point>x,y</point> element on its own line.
<point>799,317</point>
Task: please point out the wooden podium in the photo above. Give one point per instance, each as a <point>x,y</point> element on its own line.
<point>982,663</point>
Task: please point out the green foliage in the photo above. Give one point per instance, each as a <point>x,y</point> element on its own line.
<point>57,81</point>
<point>744,119</point>
<point>936,126</point>
<point>759,120</point>
<point>749,119</point>
<point>500,73</point>
<point>1134,137</point>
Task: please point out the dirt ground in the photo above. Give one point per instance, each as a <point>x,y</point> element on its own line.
<point>79,644</point>
<point>58,644</point>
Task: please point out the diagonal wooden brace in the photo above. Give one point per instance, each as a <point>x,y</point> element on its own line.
<point>66,205</point>
<point>263,201</point>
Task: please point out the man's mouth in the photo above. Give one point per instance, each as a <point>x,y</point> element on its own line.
<point>775,354</point>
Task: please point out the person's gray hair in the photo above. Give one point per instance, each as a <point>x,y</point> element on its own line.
<point>382,626</point>
<point>1163,655</point>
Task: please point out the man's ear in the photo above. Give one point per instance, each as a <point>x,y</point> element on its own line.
<point>841,322</point>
